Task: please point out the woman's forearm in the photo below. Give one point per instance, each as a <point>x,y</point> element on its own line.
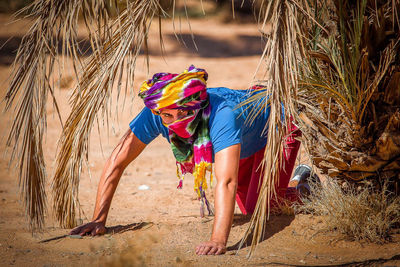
<point>126,151</point>
<point>105,191</point>
<point>224,209</point>
<point>226,171</point>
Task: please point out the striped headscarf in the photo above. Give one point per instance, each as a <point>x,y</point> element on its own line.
<point>189,136</point>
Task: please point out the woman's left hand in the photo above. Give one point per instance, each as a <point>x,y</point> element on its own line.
<point>211,248</point>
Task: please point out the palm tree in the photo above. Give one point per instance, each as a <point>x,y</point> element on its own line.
<point>350,91</point>
<point>336,67</point>
<point>333,64</point>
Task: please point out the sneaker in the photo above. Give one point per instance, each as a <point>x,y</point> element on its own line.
<point>302,175</point>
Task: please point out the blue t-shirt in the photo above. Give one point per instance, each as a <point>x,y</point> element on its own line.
<point>228,125</point>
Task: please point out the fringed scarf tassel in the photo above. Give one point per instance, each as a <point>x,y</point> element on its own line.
<point>200,185</point>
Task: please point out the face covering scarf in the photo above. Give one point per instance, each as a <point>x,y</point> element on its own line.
<point>189,136</point>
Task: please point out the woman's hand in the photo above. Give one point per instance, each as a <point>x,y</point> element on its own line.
<point>91,228</point>
<point>211,248</point>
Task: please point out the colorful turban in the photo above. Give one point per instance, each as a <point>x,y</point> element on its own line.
<point>189,136</point>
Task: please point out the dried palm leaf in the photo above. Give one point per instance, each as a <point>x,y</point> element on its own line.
<point>55,24</point>
<point>280,57</point>
<point>92,95</point>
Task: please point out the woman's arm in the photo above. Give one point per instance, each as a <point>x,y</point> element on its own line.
<point>226,171</point>
<point>125,152</point>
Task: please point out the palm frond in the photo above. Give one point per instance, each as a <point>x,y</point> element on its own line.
<point>280,58</point>
<point>54,26</point>
<point>103,70</point>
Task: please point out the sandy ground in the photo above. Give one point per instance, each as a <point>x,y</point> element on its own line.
<point>161,226</point>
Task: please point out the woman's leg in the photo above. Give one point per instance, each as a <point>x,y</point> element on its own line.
<point>290,151</point>
<point>248,179</point>
<point>244,177</point>
<point>250,174</point>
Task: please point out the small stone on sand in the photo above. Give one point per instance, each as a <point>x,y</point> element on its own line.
<point>144,187</point>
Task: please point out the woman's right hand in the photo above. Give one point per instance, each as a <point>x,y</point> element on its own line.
<point>91,228</point>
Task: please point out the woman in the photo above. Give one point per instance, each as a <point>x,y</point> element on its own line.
<point>203,125</point>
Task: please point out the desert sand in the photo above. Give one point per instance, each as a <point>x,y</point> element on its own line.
<point>159,226</point>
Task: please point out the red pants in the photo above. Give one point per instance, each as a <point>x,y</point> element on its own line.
<point>250,174</point>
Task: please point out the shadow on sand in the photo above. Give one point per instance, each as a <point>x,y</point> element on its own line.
<point>9,47</point>
<point>275,224</point>
<point>208,47</point>
<point>119,229</point>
